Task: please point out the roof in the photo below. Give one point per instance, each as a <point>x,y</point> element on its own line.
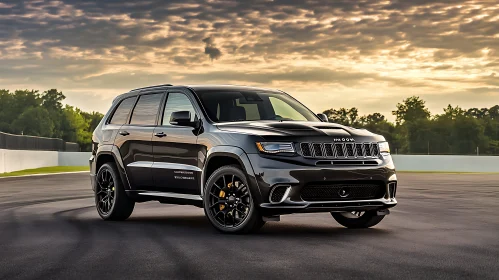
<point>226,88</point>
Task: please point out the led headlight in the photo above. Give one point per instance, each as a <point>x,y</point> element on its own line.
<point>275,147</point>
<point>384,147</point>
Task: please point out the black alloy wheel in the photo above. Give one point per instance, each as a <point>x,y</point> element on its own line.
<point>111,200</point>
<point>228,202</point>
<point>357,219</point>
<point>105,192</point>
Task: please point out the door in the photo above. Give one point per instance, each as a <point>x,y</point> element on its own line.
<point>176,166</point>
<point>134,141</point>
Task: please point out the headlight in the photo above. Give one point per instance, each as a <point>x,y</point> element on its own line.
<point>384,147</point>
<point>275,147</point>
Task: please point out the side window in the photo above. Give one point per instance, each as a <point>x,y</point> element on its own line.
<point>284,110</point>
<point>177,102</point>
<point>120,116</point>
<point>146,110</point>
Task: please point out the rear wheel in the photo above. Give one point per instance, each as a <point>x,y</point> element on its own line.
<point>111,200</point>
<point>228,202</point>
<point>357,219</point>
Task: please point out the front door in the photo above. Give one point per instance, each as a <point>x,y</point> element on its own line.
<point>176,166</point>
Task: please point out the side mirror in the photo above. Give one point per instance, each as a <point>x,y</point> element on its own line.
<point>323,117</point>
<point>181,118</point>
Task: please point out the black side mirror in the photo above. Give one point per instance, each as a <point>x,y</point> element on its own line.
<point>182,118</point>
<point>323,117</point>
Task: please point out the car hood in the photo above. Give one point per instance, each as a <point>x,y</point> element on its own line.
<point>294,128</point>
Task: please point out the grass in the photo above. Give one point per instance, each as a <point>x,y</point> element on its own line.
<point>45,170</point>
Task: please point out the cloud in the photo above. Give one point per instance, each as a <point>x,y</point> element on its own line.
<point>365,49</point>
<point>210,49</point>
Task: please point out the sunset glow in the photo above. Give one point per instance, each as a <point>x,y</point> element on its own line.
<point>368,54</point>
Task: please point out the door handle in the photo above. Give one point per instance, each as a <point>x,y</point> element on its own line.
<point>124,133</point>
<point>160,134</point>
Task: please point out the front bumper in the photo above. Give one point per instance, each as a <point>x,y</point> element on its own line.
<point>270,173</point>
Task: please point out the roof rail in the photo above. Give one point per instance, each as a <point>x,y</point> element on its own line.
<point>142,88</point>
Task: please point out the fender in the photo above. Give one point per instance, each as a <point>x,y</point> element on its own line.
<point>236,153</point>
<point>113,151</point>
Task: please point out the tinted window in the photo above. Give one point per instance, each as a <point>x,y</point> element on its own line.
<point>284,111</point>
<point>177,102</point>
<point>121,114</point>
<point>251,109</point>
<point>228,106</point>
<point>146,110</point>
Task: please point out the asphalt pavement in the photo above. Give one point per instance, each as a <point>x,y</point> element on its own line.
<point>445,227</point>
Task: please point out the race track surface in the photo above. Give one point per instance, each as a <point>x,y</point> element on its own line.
<point>445,227</point>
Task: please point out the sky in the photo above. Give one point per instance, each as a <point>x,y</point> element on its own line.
<point>367,54</point>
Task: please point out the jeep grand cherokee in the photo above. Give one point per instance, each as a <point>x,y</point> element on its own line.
<point>246,155</point>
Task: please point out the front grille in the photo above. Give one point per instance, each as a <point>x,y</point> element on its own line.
<point>342,191</point>
<point>340,150</point>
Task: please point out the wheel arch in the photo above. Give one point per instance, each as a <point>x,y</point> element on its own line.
<point>110,153</point>
<point>228,155</point>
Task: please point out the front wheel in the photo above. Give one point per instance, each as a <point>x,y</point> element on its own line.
<point>357,219</point>
<point>228,202</point>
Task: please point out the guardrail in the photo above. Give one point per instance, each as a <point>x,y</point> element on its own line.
<point>27,142</point>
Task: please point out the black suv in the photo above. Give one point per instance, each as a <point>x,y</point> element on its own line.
<point>246,155</point>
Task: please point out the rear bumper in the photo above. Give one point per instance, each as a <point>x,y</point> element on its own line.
<point>270,173</point>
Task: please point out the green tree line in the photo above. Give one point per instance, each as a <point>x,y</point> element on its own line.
<point>43,114</point>
<point>416,131</point>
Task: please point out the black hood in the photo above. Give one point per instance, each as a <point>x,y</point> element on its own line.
<point>294,128</point>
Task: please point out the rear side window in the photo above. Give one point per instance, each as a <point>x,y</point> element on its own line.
<point>146,110</point>
<point>120,116</point>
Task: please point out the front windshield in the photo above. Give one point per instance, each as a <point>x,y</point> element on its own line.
<point>224,106</point>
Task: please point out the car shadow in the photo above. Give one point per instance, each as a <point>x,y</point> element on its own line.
<point>199,224</point>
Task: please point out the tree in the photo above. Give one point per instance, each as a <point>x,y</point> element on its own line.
<point>348,117</point>
<point>411,109</point>
<point>52,101</point>
<point>34,121</point>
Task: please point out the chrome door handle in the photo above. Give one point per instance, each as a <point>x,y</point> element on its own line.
<point>160,134</point>
<point>124,133</point>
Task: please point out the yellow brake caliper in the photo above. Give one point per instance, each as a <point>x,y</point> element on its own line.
<point>222,195</point>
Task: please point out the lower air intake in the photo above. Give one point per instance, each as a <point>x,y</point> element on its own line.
<point>343,191</point>
<point>277,194</point>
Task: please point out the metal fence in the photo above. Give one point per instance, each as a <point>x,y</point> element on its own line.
<point>26,142</point>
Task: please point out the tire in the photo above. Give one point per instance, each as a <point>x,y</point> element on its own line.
<point>118,206</point>
<point>366,220</point>
<point>224,216</point>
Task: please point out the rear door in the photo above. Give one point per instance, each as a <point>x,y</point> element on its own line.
<point>176,152</point>
<point>134,140</point>
<point>118,118</point>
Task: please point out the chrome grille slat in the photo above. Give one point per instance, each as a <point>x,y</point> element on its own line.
<point>340,151</point>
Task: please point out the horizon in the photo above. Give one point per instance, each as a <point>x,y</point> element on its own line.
<point>370,55</point>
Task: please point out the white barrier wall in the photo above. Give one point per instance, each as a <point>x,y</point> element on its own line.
<point>74,158</point>
<point>13,160</point>
<point>446,163</point>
